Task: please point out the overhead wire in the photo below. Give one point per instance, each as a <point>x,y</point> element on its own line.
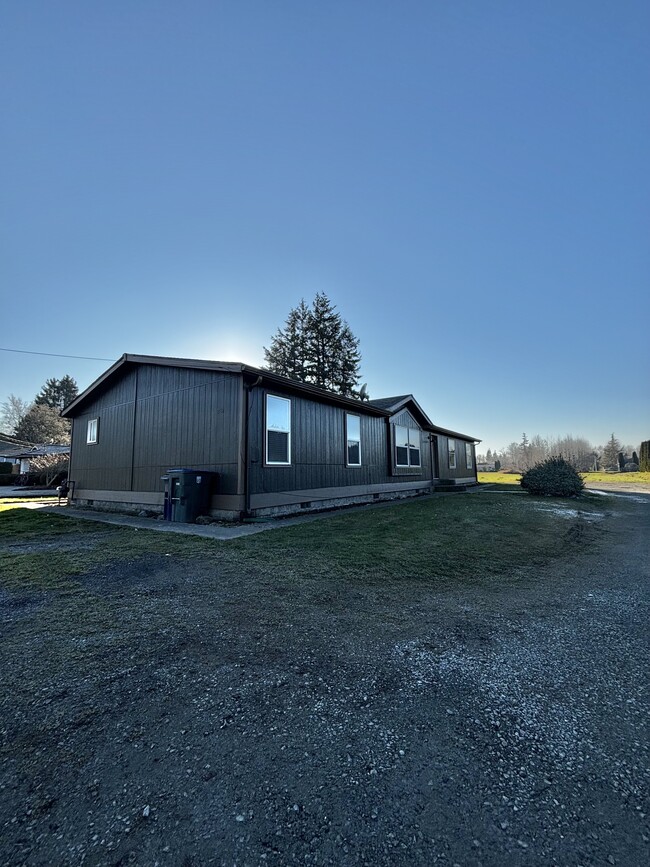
<point>56,354</point>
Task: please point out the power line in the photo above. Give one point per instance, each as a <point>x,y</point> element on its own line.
<point>56,354</point>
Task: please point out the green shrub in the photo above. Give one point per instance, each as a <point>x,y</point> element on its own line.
<point>5,468</point>
<point>8,480</point>
<point>553,477</point>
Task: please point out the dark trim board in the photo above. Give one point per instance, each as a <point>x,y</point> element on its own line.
<point>156,413</point>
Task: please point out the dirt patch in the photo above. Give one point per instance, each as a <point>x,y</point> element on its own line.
<point>206,709</point>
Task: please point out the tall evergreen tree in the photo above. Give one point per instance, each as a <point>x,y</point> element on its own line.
<point>316,346</point>
<point>287,354</point>
<point>644,456</point>
<point>57,393</point>
<point>609,458</point>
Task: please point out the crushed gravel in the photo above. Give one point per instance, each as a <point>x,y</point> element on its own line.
<point>187,714</point>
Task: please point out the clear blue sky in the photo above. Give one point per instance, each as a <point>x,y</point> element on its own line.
<point>468,181</point>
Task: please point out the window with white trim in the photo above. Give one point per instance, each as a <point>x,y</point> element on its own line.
<point>353,436</point>
<point>451,446</point>
<point>407,446</point>
<point>278,430</point>
<point>92,430</point>
<point>468,455</point>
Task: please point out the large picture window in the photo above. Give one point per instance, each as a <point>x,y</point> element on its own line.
<point>92,431</point>
<point>278,430</point>
<point>353,435</point>
<point>468,455</point>
<point>451,445</point>
<point>407,446</point>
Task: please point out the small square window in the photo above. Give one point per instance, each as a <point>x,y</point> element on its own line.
<point>92,430</point>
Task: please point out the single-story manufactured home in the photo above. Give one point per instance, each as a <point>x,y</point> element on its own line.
<point>269,445</point>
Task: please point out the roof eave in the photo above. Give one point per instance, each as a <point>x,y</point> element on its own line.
<point>226,367</point>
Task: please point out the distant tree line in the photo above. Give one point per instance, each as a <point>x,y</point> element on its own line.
<point>577,451</point>
<point>39,421</point>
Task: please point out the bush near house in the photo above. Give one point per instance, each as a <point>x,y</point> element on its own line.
<point>553,477</point>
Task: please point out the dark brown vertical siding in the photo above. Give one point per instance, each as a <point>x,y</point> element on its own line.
<point>318,449</point>
<point>461,471</point>
<point>106,465</point>
<point>182,417</point>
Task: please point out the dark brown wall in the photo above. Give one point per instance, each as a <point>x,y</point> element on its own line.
<point>461,471</point>
<point>154,417</point>
<point>318,449</point>
<point>180,418</point>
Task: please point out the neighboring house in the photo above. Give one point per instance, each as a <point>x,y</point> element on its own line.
<point>276,445</point>
<point>9,444</point>
<point>486,467</point>
<point>22,457</point>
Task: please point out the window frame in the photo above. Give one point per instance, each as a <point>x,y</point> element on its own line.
<point>469,463</point>
<point>92,439</point>
<point>267,462</point>
<point>348,463</point>
<point>411,431</point>
<point>451,452</point>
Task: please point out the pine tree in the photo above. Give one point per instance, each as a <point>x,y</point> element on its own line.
<point>609,458</point>
<point>57,393</point>
<point>316,346</point>
<point>524,447</point>
<point>68,390</point>
<point>287,354</point>
<point>349,360</point>
<point>644,456</point>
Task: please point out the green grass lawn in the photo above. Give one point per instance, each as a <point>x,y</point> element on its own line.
<point>499,478</point>
<point>599,478</point>
<point>15,502</point>
<point>618,478</point>
<point>462,537</point>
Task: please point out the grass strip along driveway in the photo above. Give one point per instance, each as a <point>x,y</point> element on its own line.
<point>452,680</point>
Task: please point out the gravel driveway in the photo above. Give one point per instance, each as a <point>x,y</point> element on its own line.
<point>198,716</point>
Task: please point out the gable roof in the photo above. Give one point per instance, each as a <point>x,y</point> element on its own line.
<point>385,407</point>
<point>128,360</point>
<point>390,402</point>
<point>394,404</point>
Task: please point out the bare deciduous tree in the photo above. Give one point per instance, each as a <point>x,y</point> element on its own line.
<point>12,412</point>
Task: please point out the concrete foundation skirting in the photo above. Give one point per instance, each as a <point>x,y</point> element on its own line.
<point>223,506</point>
<point>290,502</point>
<point>230,507</point>
<point>119,507</point>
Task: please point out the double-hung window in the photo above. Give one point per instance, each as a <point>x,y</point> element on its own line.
<point>92,431</point>
<point>407,446</point>
<point>468,455</point>
<point>353,435</point>
<point>278,430</point>
<point>451,445</point>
